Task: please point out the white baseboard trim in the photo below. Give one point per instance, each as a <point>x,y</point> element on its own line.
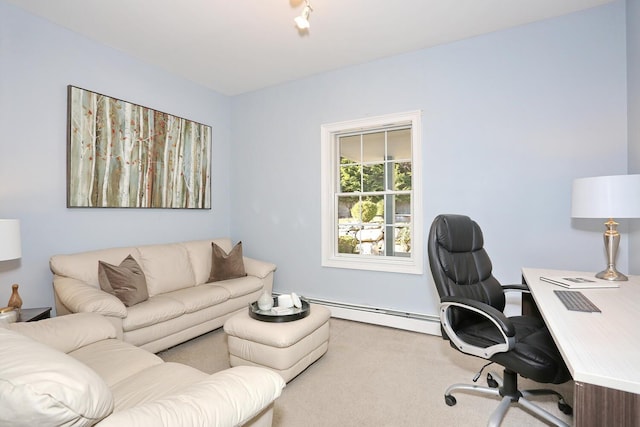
<point>415,322</point>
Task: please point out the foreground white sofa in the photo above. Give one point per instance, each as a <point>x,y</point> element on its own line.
<point>181,304</point>
<point>72,371</point>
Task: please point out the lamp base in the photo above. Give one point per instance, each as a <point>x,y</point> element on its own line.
<point>611,241</point>
<point>612,274</point>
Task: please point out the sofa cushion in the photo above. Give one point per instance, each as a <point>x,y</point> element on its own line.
<point>114,360</point>
<point>67,333</point>
<point>160,336</point>
<point>241,286</point>
<point>200,256</point>
<point>225,266</point>
<point>126,281</point>
<point>156,309</point>
<point>228,398</point>
<point>199,297</point>
<point>43,386</point>
<point>153,383</point>
<point>167,268</point>
<point>84,266</point>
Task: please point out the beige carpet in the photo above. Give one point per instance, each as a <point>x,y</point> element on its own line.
<point>376,376</point>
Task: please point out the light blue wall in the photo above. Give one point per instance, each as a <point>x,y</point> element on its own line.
<point>37,62</point>
<point>633,91</point>
<point>510,119</point>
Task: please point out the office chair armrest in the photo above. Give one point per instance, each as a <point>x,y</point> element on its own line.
<point>496,316</point>
<point>517,288</point>
<point>501,321</point>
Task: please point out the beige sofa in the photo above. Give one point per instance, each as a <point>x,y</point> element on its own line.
<point>181,304</point>
<point>72,371</point>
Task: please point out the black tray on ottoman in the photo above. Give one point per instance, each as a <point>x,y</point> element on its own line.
<point>270,316</point>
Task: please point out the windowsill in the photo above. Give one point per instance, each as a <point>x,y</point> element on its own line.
<point>401,265</point>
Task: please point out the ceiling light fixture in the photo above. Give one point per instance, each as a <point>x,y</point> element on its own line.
<point>302,21</point>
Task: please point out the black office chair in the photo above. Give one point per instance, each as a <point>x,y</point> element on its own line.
<point>471,317</point>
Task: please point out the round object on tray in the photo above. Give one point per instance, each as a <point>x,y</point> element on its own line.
<point>296,300</point>
<point>265,302</point>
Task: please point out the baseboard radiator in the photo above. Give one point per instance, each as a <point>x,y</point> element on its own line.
<point>425,323</point>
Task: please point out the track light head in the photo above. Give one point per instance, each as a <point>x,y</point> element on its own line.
<point>302,21</point>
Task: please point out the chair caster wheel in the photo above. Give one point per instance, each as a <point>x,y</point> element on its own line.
<point>449,400</point>
<point>491,382</point>
<point>564,407</point>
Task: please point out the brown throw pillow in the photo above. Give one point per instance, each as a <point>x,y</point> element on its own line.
<point>226,266</point>
<point>126,281</point>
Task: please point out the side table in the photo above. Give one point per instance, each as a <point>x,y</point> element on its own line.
<point>33,314</point>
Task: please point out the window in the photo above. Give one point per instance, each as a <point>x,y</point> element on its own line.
<point>371,194</point>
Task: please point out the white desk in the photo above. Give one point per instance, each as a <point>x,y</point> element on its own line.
<point>601,350</point>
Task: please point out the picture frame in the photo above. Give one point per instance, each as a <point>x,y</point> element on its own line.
<point>124,155</point>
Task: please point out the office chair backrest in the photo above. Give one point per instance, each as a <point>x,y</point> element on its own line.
<point>459,264</point>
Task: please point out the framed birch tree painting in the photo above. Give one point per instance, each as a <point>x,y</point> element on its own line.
<point>123,155</point>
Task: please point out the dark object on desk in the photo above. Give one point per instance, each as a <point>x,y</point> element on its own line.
<point>275,317</point>
<point>34,314</point>
<point>576,301</point>
<point>471,305</point>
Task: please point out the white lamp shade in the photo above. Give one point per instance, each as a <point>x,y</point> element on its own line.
<point>616,196</point>
<point>302,22</point>
<point>10,247</point>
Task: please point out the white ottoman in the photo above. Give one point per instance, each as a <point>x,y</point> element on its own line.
<point>287,348</point>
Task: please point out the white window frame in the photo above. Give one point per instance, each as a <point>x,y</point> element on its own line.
<point>329,229</point>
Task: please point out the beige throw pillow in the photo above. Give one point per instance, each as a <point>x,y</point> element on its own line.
<point>226,266</point>
<point>126,281</point>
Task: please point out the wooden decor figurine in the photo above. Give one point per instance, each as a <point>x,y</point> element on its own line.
<point>14,300</point>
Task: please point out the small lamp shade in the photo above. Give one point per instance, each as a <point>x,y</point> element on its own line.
<point>616,196</point>
<point>302,22</point>
<point>10,247</point>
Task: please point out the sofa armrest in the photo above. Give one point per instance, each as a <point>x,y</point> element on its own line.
<point>68,333</point>
<point>261,269</point>
<point>40,386</point>
<point>80,297</point>
<point>227,398</point>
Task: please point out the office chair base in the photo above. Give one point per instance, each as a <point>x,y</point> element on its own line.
<point>494,381</point>
<point>510,394</point>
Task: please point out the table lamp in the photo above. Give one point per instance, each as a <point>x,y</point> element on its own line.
<point>10,247</point>
<point>616,196</point>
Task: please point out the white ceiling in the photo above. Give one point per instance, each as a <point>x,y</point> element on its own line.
<point>236,46</point>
